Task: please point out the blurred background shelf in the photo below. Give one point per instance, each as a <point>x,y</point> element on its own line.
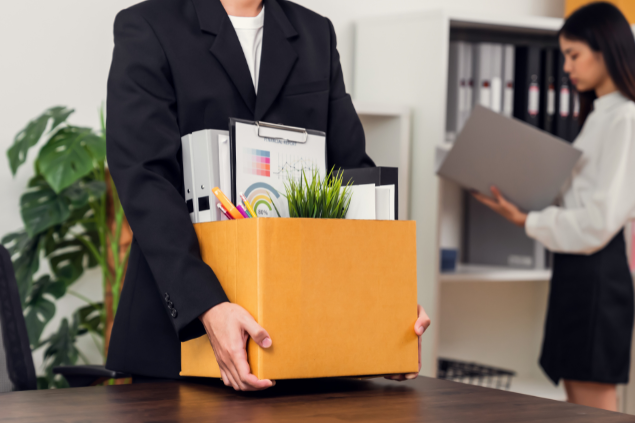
<point>478,273</point>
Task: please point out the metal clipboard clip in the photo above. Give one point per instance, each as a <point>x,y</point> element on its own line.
<point>270,130</point>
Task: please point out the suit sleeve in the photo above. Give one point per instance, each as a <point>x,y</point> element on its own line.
<point>143,145</point>
<point>346,144</point>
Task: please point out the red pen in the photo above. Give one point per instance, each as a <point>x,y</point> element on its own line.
<point>222,209</point>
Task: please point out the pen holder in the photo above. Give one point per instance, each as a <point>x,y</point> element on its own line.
<point>338,297</point>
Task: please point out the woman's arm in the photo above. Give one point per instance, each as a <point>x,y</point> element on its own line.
<point>588,229</point>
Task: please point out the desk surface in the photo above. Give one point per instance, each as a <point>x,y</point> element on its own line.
<point>423,399</point>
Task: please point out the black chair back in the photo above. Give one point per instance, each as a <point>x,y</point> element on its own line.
<point>17,372</point>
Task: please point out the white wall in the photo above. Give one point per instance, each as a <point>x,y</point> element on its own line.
<point>58,53</point>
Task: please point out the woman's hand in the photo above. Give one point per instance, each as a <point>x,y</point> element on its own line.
<point>422,323</point>
<point>503,207</point>
<point>228,328</point>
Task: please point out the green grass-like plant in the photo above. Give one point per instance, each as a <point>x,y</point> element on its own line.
<point>317,198</point>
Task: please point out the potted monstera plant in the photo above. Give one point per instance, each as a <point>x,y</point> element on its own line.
<point>73,219</point>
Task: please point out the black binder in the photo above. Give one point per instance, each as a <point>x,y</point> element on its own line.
<point>548,90</point>
<point>527,77</point>
<point>563,100</point>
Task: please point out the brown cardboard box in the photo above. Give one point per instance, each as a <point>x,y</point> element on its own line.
<point>337,297</point>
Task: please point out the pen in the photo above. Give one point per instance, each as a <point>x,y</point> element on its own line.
<point>229,207</point>
<point>242,211</point>
<point>222,210</point>
<point>247,205</point>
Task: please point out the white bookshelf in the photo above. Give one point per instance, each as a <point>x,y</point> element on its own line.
<point>487,315</point>
<point>478,273</point>
<point>388,136</point>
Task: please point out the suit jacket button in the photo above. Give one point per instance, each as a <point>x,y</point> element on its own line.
<point>166,296</point>
<point>174,313</point>
<point>170,305</point>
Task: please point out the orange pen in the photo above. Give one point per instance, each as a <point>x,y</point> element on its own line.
<point>229,207</point>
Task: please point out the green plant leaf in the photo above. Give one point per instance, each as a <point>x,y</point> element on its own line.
<point>90,318</point>
<point>39,308</point>
<point>25,253</point>
<point>69,155</point>
<point>61,349</point>
<point>67,263</point>
<point>31,134</point>
<point>41,207</point>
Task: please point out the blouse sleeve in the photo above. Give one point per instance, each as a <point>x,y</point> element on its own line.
<point>588,229</point>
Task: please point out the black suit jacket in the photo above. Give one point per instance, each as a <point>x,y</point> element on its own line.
<point>178,67</point>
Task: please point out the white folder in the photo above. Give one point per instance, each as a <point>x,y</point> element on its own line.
<point>202,153</point>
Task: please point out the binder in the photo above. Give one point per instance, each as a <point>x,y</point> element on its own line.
<point>489,239</point>
<point>265,155</point>
<point>496,76</point>
<point>459,97</point>
<point>468,89</point>
<point>455,93</point>
<point>563,100</point>
<point>201,173</point>
<point>548,95</point>
<point>527,77</point>
<point>509,55</point>
<point>482,68</point>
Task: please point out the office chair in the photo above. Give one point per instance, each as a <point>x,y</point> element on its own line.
<point>17,372</point>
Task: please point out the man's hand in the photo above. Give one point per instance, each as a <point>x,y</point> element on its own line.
<point>228,328</point>
<point>422,323</point>
<point>503,207</point>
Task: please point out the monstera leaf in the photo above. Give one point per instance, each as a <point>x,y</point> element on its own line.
<point>31,134</point>
<point>90,318</point>
<point>39,307</point>
<point>70,154</point>
<point>25,251</point>
<point>41,207</point>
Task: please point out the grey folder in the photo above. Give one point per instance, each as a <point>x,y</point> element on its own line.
<point>528,165</point>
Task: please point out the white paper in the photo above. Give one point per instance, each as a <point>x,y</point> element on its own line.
<point>385,202</point>
<point>263,165</point>
<point>362,202</point>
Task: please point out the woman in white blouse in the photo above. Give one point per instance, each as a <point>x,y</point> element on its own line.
<point>590,316</point>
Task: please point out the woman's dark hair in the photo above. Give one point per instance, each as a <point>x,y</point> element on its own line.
<point>605,29</point>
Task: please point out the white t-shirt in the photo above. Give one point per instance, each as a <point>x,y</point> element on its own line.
<point>249,31</point>
<point>599,198</point>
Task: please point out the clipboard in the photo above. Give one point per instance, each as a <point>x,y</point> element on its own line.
<point>265,155</point>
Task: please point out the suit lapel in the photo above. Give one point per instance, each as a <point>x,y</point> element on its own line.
<point>277,59</point>
<point>226,47</point>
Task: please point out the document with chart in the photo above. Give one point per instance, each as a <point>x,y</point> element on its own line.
<point>267,155</point>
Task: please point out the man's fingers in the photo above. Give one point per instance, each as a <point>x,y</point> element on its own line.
<point>423,321</point>
<point>247,378</point>
<point>257,333</point>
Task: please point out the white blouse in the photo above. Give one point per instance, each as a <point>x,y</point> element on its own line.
<point>599,197</point>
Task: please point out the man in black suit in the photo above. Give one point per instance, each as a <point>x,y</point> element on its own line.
<point>179,67</point>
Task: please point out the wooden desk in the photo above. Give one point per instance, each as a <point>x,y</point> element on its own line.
<point>421,400</point>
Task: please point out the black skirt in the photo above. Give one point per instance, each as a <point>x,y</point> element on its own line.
<point>590,316</point>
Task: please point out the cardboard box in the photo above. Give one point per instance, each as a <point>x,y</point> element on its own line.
<point>337,297</point>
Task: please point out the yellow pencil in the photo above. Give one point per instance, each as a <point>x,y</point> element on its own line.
<point>246,203</point>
